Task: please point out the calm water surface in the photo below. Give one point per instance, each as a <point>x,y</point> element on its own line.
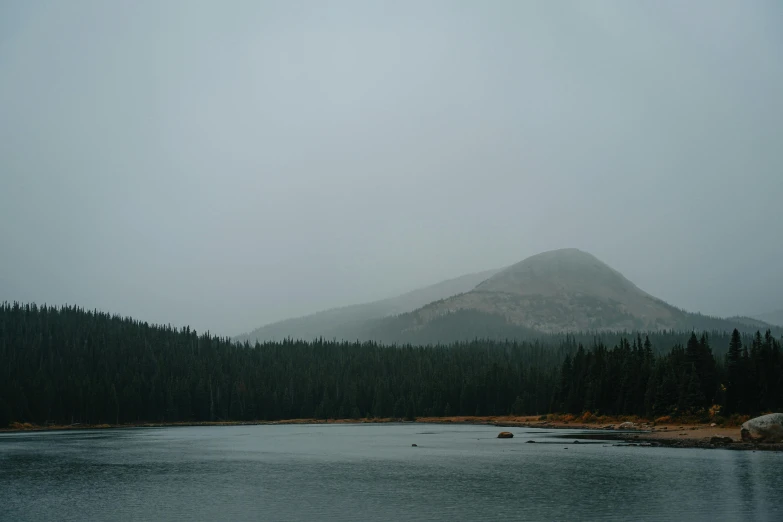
<point>371,472</point>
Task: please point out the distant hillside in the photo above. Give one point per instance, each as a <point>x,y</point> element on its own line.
<point>555,292</point>
<point>356,321</point>
<point>751,322</point>
<point>775,317</point>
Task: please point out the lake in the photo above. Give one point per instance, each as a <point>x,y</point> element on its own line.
<point>371,472</point>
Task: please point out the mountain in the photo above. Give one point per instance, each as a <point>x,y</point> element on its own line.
<point>556,292</point>
<point>775,317</point>
<point>356,321</point>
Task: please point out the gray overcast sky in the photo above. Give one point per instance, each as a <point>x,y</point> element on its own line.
<point>225,164</point>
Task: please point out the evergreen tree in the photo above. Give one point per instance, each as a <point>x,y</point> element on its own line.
<point>734,374</point>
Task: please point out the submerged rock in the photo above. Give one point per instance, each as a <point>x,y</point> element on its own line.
<point>530,442</point>
<point>414,445</point>
<point>767,428</point>
<point>505,435</point>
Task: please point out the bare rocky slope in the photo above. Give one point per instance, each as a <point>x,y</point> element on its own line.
<point>563,290</point>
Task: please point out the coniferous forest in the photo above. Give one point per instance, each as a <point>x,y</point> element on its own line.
<point>66,365</point>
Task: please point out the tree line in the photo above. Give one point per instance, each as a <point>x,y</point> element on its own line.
<point>66,365</point>
<point>687,380</point>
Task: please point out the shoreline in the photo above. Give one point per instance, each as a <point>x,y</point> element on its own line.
<point>642,432</point>
<point>671,435</point>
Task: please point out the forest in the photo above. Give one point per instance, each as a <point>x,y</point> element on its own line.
<point>66,365</point>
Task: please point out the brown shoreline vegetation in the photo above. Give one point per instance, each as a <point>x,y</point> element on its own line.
<point>663,431</point>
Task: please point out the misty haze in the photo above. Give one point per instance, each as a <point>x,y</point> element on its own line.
<point>369,236</point>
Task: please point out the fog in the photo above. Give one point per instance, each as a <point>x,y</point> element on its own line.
<point>227,164</point>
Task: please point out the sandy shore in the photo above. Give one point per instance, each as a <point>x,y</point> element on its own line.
<point>644,433</point>
<point>676,435</point>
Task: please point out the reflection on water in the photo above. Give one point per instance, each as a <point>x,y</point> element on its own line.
<point>371,472</point>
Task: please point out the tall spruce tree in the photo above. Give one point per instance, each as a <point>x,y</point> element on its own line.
<point>734,369</point>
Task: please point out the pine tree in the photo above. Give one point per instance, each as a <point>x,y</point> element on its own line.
<point>734,367</point>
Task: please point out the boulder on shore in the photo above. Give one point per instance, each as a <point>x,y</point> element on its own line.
<point>505,435</point>
<point>626,426</point>
<point>767,428</point>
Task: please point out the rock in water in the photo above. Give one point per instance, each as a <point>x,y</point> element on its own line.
<point>505,435</point>
<point>767,428</point>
